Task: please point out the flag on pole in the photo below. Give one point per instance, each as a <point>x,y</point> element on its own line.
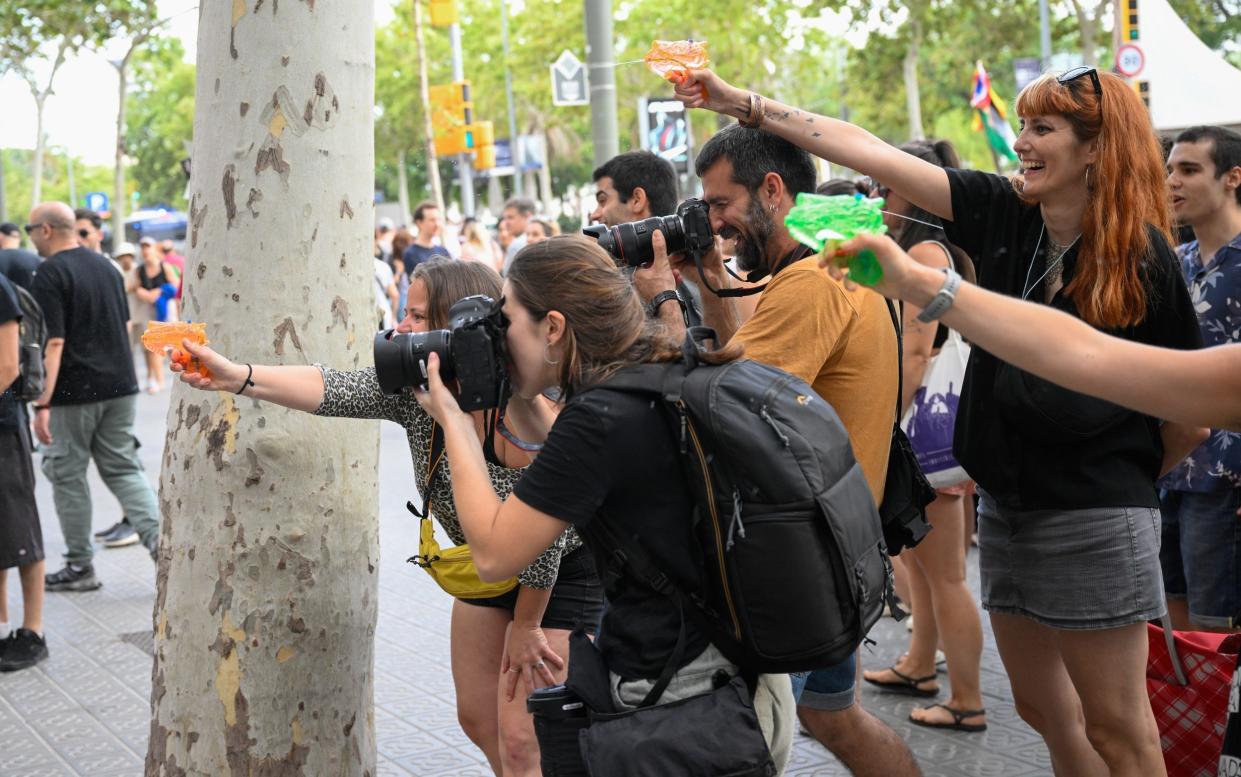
<point>991,115</point>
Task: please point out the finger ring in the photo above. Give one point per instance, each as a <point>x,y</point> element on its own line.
<point>538,664</point>
<point>514,669</point>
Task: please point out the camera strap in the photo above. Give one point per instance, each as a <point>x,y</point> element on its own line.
<point>697,256</point>
<point>435,454</point>
<point>799,253</point>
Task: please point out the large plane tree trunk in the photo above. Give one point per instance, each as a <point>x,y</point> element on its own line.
<point>265,604</point>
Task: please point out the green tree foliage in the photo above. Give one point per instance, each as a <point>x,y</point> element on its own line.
<point>160,121</point>
<point>1216,22</point>
<point>18,169</point>
<point>757,43</point>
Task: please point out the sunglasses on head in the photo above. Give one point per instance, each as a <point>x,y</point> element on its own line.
<point>1069,76</point>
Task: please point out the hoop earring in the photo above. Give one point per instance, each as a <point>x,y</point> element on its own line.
<point>552,362</point>
<point>1087,178</point>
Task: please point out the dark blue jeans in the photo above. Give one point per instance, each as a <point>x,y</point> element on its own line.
<point>1201,554</point>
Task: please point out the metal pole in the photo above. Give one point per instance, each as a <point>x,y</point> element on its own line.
<point>73,189</point>
<point>601,71</point>
<point>513,145</point>
<point>1044,33</point>
<point>465,174</point>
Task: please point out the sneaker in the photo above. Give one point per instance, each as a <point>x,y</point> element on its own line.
<point>72,578</point>
<point>23,649</point>
<point>99,535</point>
<point>124,535</point>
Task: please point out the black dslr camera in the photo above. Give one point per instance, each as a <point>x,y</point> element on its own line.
<point>689,229</point>
<point>471,351</point>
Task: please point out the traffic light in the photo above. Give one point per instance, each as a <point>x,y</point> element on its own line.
<point>484,145</point>
<point>443,13</point>
<point>1128,21</point>
<point>451,113</point>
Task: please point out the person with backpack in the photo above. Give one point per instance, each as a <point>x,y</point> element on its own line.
<point>691,548</point>
<point>1069,521</point>
<point>21,538</point>
<point>843,344</point>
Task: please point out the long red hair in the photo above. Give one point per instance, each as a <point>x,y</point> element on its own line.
<point>1127,193</point>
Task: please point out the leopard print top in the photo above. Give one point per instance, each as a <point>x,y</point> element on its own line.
<point>357,395</point>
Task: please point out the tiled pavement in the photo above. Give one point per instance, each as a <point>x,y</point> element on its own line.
<point>85,710</point>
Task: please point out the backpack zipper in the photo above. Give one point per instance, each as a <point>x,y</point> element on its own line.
<point>715,520</point>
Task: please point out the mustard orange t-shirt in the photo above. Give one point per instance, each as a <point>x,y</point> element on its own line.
<point>843,344</point>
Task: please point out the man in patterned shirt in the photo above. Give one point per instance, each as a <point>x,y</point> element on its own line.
<point>1201,549</point>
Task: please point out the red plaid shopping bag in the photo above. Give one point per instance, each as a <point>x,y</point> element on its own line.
<point>1188,677</point>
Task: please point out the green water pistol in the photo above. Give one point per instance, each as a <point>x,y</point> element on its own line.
<point>823,223</point>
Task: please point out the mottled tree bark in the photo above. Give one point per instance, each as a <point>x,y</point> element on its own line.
<point>265,607</point>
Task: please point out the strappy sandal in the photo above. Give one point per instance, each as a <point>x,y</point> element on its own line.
<point>958,719</point>
<point>907,685</point>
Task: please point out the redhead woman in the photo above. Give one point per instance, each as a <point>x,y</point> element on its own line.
<point>1069,515</point>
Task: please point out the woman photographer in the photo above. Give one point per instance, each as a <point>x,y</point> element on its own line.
<point>499,642</point>
<point>609,457</point>
<point>1069,517</point>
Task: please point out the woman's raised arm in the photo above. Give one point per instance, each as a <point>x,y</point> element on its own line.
<point>839,142</point>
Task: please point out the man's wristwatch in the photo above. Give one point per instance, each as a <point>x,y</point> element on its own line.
<point>944,298</point>
<point>659,299</point>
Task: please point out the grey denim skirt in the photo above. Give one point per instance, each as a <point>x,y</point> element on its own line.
<point>1071,569</point>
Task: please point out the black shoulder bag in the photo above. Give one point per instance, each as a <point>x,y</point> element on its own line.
<point>907,491</point>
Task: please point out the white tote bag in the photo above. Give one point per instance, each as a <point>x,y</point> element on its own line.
<point>932,415</point>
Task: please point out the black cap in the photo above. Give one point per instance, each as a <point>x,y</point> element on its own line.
<point>9,228</point>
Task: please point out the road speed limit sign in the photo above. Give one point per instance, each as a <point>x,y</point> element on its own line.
<point>1130,60</point>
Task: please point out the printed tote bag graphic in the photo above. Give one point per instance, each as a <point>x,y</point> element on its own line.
<point>931,417</point>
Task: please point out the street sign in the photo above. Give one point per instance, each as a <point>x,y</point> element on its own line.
<point>1027,70</point>
<point>569,85</point>
<point>662,129</point>
<point>1130,60</point>
<point>97,201</point>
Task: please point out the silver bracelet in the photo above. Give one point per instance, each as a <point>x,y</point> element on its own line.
<point>944,298</point>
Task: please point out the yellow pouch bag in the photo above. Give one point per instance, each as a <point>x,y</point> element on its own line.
<point>453,568</point>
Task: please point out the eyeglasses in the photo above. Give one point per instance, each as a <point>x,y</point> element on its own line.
<point>83,233</point>
<point>1069,76</point>
<point>32,227</point>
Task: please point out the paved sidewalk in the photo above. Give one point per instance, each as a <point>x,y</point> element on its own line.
<point>85,711</point>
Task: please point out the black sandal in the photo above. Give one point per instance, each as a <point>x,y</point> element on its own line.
<point>958,719</point>
<point>907,685</point>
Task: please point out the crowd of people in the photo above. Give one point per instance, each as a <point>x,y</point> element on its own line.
<point>1097,436</point>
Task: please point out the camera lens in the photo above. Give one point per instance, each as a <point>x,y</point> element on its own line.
<point>630,243</point>
<point>401,359</point>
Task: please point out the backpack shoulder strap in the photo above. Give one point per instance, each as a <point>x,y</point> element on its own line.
<point>622,554</point>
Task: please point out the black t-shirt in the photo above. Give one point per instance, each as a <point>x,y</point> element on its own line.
<point>1029,443</point>
<point>612,457</point>
<point>19,266</point>
<point>83,301</point>
<point>11,414</point>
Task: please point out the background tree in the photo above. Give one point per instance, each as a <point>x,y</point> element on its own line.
<point>129,24</point>
<point>19,183</point>
<point>160,120</point>
<point>265,590</point>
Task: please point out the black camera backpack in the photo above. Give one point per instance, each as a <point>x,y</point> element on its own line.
<point>32,339</point>
<point>796,568</point>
